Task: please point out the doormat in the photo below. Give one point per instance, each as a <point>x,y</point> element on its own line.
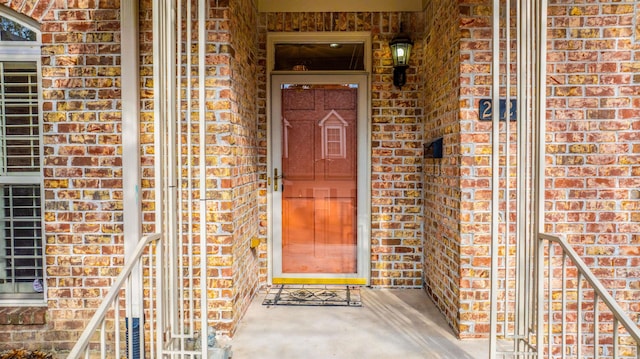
<point>314,295</point>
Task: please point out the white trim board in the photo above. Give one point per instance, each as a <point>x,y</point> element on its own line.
<point>340,5</point>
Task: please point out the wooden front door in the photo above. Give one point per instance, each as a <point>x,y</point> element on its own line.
<point>316,182</point>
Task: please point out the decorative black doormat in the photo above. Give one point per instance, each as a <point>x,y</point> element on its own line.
<point>314,295</point>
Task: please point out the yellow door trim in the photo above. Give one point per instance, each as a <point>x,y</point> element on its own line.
<point>345,281</point>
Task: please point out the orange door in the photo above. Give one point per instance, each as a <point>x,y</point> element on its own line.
<point>319,179</point>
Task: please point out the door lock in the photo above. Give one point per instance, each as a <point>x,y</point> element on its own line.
<point>275,179</point>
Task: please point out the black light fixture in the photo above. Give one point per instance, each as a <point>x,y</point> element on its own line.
<point>400,46</point>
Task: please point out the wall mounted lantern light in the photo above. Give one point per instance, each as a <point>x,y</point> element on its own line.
<point>400,46</point>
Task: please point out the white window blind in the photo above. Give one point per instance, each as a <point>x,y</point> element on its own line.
<point>19,103</point>
<point>21,257</point>
<point>21,231</point>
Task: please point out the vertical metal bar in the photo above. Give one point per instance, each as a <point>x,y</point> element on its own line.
<point>178,159</point>
<point>540,297</point>
<point>157,113</point>
<point>128,325</point>
<point>202,47</point>
<point>564,303</point>
<point>540,121</point>
<point>507,164</point>
<point>153,295</point>
<point>116,325</point>
<point>171,166</point>
<point>189,145</point>
<point>127,319</point>
<point>495,180</point>
<point>550,300</point>
<point>526,239</point>
<point>103,342</point>
<point>615,337</point>
<point>579,318</point>
<point>159,17</point>
<point>596,324</point>
<point>541,98</point>
<point>159,302</point>
<point>141,321</point>
<point>531,305</point>
<point>186,324</point>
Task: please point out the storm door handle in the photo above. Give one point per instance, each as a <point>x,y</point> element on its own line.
<point>276,178</point>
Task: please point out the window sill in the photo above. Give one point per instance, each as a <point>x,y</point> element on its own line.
<point>23,315</point>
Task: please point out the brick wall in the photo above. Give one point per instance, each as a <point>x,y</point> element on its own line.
<point>396,159</point>
<point>593,139</point>
<point>82,166</point>
<point>396,138</point>
<point>475,169</point>
<point>442,200</point>
<point>147,191</point>
<point>592,123</point>
<point>244,152</point>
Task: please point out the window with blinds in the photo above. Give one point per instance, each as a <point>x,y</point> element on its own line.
<point>21,247</point>
<point>20,129</point>
<point>21,229</point>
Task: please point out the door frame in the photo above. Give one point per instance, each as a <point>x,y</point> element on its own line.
<point>363,78</point>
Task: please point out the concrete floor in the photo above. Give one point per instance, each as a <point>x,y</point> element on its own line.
<point>390,324</point>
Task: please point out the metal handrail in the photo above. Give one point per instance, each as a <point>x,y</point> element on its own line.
<point>620,316</point>
<point>112,296</point>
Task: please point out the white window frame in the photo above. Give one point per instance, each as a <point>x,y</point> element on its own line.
<point>27,51</point>
<point>333,121</point>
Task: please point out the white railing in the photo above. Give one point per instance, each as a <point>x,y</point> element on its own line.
<point>109,333</point>
<point>581,318</point>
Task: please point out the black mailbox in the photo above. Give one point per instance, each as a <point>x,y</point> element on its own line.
<point>433,149</point>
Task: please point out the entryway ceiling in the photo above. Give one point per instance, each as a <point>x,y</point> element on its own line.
<point>339,5</point>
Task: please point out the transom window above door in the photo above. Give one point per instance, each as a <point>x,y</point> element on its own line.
<point>328,52</point>
<point>319,57</point>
